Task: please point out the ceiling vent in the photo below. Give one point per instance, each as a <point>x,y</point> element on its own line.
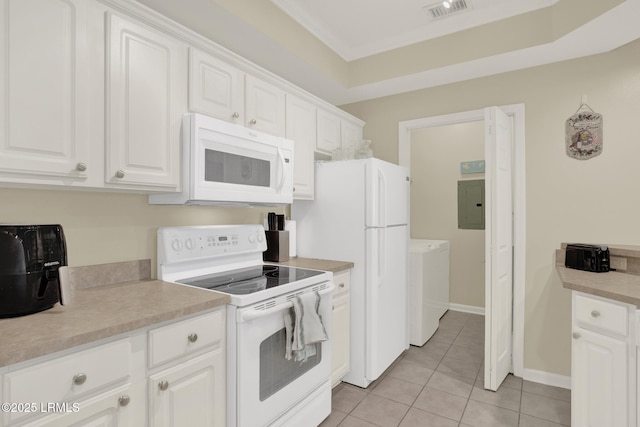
<point>439,10</point>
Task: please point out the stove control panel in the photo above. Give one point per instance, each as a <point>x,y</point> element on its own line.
<point>192,243</point>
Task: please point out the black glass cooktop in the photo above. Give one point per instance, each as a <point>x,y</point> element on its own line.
<point>251,279</point>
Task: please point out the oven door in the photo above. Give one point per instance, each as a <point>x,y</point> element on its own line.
<point>235,164</point>
<point>268,386</point>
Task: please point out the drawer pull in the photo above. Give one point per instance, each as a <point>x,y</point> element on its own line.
<point>124,400</point>
<point>576,335</point>
<point>595,313</point>
<point>79,379</point>
<point>341,285</point>
<point>163,385</point>
<point>193,337</point>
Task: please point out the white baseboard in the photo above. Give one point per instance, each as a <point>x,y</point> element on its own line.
<point>547,378</point>
<point>467,309</point>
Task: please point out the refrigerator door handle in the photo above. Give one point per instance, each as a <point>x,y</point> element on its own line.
<point>382,256</point>
<point>382,196</point>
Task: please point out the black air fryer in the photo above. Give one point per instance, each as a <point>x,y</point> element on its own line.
<point>30,256</point>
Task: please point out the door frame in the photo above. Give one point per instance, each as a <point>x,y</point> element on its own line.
<point>516,112</point>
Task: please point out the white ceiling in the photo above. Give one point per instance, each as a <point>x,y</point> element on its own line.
<point>359,28</point>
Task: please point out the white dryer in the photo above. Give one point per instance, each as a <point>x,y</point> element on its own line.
<point>429,287</point>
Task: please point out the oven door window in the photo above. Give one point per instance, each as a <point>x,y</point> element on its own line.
<point>276,372</point>
<point>231,168</point>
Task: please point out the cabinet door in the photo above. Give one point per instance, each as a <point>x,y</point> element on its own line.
<point>329,132</point>
<point>190,394</point>
<point>351,135</point>
<point>265,106</point>
<point>301,128</point>
<point>340,340</point>
<point>145,103</point>
<point>215,87</point>
<point>600,383</point>
<point>341,336</point>
<point>123,406</point>
<point>44,104</point>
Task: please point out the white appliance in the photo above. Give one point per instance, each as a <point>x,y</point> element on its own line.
<point>360,214</point>
<point>263,387</point>
<point>227,164</point>
<point>429,287</point>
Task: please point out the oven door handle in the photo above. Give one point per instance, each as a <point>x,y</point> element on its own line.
<point>256,314</point>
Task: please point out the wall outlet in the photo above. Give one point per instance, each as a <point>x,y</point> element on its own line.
<point>618,263</point>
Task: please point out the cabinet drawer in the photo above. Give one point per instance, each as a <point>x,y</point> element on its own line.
<point>598,314</point>
<point>342,281</point>
<point>65,378</point>
<point>185,337</point>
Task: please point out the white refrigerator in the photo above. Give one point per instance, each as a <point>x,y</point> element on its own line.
<point>360,214</point>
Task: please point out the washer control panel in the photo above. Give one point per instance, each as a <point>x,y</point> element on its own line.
<point>185,243</point>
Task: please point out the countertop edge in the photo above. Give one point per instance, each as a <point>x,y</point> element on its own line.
<point>42,347</point>
<point>616,286</point>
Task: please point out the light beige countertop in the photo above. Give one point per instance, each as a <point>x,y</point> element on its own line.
<point>100,312</point>
<point>615,285</point>
<point>318,264</point>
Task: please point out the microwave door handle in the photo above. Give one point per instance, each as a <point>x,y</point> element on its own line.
<point>257,314</point>
<point>282,167</point>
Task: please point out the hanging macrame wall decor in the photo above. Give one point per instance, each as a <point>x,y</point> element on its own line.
<point>583,133</point>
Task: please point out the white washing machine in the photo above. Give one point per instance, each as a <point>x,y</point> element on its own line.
<point>429,287</point>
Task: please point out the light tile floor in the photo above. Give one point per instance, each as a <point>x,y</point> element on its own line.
<point>441,385</point>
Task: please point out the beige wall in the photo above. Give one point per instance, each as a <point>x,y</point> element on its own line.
<point>567,200</point>
<point>436,154</point>
<point>105,227</point>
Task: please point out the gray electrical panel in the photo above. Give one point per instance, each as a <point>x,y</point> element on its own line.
<point>471,204</point>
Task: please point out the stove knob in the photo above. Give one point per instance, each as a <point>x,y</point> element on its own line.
<point>260,237</point>
<point>189,244</point>
<point>176,245</point>
<point>252,238</point>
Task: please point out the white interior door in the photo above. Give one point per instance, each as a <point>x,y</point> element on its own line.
<point>498,246</point>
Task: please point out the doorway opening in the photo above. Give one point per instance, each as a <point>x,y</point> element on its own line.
<point>516,113</point>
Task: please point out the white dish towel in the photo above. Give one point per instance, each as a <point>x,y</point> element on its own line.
<point>303,327</point>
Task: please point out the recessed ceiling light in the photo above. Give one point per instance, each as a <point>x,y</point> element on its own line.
<point>446,4</point>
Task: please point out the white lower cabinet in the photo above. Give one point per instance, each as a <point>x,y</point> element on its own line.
<point>172,375</point>
<point>189,394</point>
<point>188,388</point>
<point>341,338</point>
<point>603,365</point>
<point>121,406</point>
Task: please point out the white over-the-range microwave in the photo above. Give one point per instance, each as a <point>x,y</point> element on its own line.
<point>227,164</point>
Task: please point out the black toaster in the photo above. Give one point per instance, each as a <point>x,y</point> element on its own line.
<point>594,258</point>
<point>30,256</point>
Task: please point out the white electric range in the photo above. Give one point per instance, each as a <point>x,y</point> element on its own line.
<point>263,387</point>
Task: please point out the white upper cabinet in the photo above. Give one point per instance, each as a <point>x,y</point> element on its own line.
<point>215,87</point>
<point>44,102</point>
<point>146,98</point>
<point>329,132</point>
<point>351,135</point>
<point>265,106</point>
<point>301,128</point>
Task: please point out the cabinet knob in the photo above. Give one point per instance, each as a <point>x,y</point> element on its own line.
<point>595,313</point>
<point>81,167</point>
<point>341,285</point>
<point>576,335</point>
<point>119,173</point>
<point>79,379</point>
<point>253,122</point>
<point>193,337</point>
<point>163,385</point>
<point>124,400</point>
<point>236,115</point>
